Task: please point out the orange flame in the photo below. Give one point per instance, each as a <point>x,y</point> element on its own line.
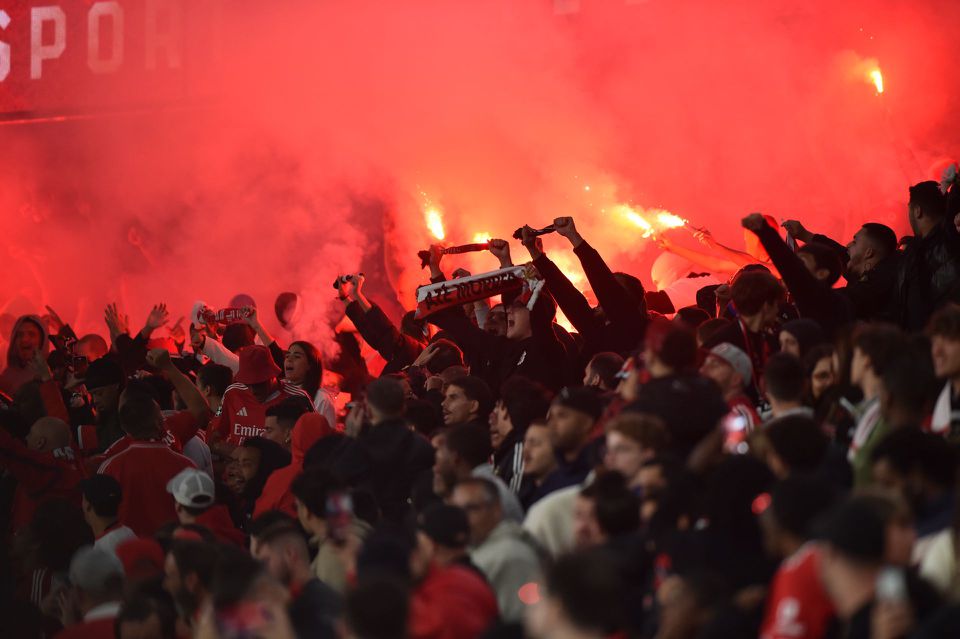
<point>670,221</point>
<point>877,78</point>
<point>435,223</point>
<point>481,238</point>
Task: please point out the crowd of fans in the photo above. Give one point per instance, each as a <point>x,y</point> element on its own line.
<point>778,461</point>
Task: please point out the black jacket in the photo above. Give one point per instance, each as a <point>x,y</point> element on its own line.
<point>814,299</point>
<point>400,350</point>
<point>872,294</point>
<point>315,610</point>
<point>928,278</point>
<point>398,459</point>
<point>540,357</point>
<point>621,326</point>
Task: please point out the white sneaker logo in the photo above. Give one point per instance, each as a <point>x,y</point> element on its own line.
<point>242,412</point>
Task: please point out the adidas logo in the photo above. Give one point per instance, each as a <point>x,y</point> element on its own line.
<point>242,412</point>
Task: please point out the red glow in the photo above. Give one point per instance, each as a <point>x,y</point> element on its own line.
<point>529,594</point>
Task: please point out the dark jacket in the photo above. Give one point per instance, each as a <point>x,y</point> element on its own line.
<point>314,611</point>
<point>620,327</point>
<point>814,299</point>
<point>571,473</point>
<point>928,278</point>
<point>400,350</point>
<point>398,459</point>
<point>540,357</point>
<point>873,292</point>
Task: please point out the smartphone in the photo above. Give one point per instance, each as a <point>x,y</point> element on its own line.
<point>892,585</point>
<point>339,517</point>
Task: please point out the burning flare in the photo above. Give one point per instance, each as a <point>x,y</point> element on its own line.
<point>435,223</point>
<point>877,78</point>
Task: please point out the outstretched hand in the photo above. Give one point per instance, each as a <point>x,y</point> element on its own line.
<point>797,230</point>
<point>567,228</point>
<point>532,242</point>
<point>159,315</point>
<point>501,250</point>
<point>754,222</point>
<point>55,323</point>
<point>117,323</point>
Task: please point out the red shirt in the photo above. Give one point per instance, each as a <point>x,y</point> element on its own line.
<point>451,603</point>
<point>242,415</point>
<point>798,606</point>
<point>40,476</point>
<point>178,429</point>
<point>143,470</point>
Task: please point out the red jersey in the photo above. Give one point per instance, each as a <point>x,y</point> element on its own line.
<point>40,475</point>
<point>178,429</point>
<point>451,603</point>
<point>143,470</point>
<point>798,606</point>
<point>242,415</point>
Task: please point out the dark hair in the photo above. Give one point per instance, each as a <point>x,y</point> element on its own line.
<point>237,336</point>
<point>448,354</point>
<point>590,590</point>
<point>423,416</point>
<point>881,343</point>
<point>311,382</point>
<point>524,401</point>
<point>411,326</point>
<point>141,607</point>
<point>313,487</point>
<point>196,558</point>
<point>798,441</point>
<point>273,456</point>
<point>692,316</point>
<point>881,237</point>
<point>910,383</point>
<point>633,288</point>
<point>140,416</point>
<point>216,376</point>
<point>617,507</point>
<point>607,366</point>
<point>824,257</point>
<point>476,390</point>
<point>785,377</point>
<point>267,521</point>
<point>490,488</point>
<point>470,442</point>
<point>236,575</point>
<point>290,410</point>
<point>910,450</point>
<point>708,329</point>
<point>798,501</point>
<point>754,288</point>
<point>927,197</point>
<point>814,355</point>
<point>647,430</point>
<point>387,396</point>
<point>946,322</point>
<point>378,608</point>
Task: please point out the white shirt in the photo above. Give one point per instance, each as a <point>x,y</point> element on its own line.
<point>107,610</point>
<point>114,538</point>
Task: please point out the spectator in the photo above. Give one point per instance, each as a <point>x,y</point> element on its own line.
<point>464,452</point>
<point>539,460</point>
<point>605,510</point>
<point>521,402</point>
<point>602,371</point>
<point>194,496</point>
<point>797,605</point>
<point>467,400</point>
<point>302,368</point>
<point>944,333</point>
<point>314,606</point>
<point>213,381</point>
<point>251,465</point>
<point>245,403</point>
<point>28,338</point>
<point>922,469</point>
<point>378,609</point>
<point>669,349</point>
<point>573,415</point>
<point>795,444</point>
<point>276,495</point>
<point>929,274</point>
<point>104,380</point>
<point>446,531</point>
<point>189,569</point>
<point>316,491</point>
<point>498,546</point>
<point>146,505</point>
<point>47,467</point>
<point>908,386</point>
<point>281,418</point>
<point>799,336</point>
<point>821,373</point>
<point>102,495</point>
<point>732,371</point>
<point>96,588</point>
<point>874,348</point>
<point>632,440</point>
<point>785,381</point>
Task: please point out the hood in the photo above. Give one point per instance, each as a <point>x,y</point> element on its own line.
<point>12,359</point>
<point>309,429</point>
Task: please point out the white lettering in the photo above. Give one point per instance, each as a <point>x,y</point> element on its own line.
<point>247,431</point>
<point>40,51</point>
<point>165,39</point>
<point>4,48</point>
<point>114,12</point>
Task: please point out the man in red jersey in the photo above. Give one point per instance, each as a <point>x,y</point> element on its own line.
<point>243,410</point>
<point>145,467</point>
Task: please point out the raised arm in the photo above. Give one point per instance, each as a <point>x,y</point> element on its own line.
<point>194,400</point>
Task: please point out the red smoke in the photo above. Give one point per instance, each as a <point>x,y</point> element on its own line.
<point>312,130</point>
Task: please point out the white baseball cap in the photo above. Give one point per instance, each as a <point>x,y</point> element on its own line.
<point>192,487</point>
<point>736,359</point>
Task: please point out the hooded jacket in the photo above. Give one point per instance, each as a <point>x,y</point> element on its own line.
<point>18,373</point>
<point>398,460</point>
<point>276,495</point>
